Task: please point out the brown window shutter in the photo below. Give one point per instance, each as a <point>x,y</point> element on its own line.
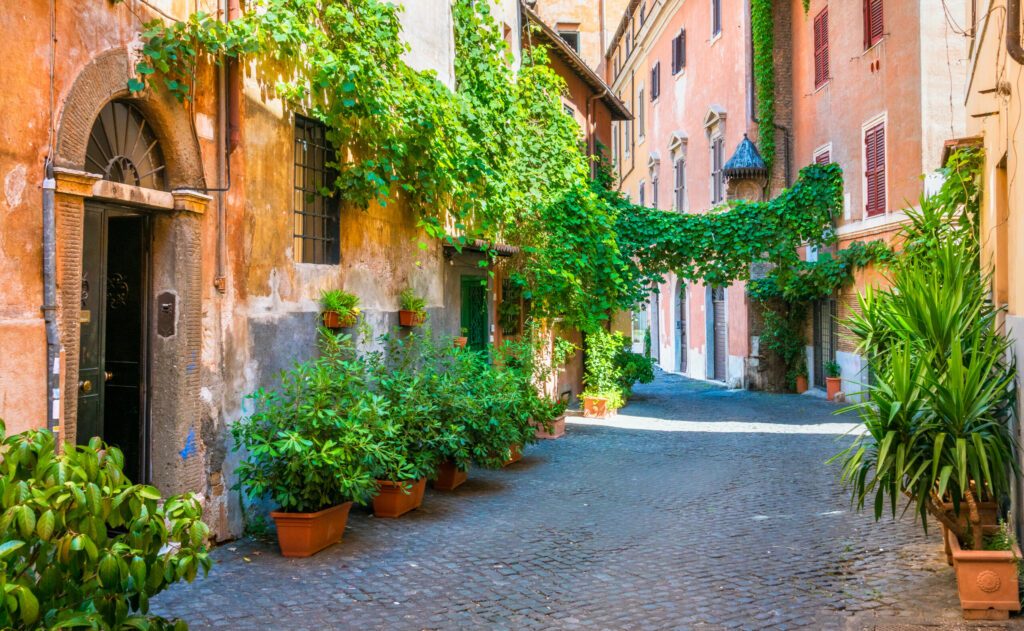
<point>823,158</point>
<point>821,66</point>
<point>874,25</point>
<point>874,169</point>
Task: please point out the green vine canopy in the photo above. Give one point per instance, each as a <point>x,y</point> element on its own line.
<point>497,158</point>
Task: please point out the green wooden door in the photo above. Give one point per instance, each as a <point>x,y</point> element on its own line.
<point>474,311</point>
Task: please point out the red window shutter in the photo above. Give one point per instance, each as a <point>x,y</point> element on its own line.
<point>675,54</point>
<point>823,158</point>
<point>874,170</point>
<point>874,26</point>
<point>821,66</point>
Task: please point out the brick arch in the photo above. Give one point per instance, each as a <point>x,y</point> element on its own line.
<point>104,79</point>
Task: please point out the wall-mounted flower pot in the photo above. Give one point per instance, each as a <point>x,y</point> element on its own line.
<point>987,581</point>
<point>305,534</point>
<point>332,320</point>
<point>801,384</point>
<point>449,476</point>
<point>557,429</point>
<point>595,407</point>
<point>398,498</point>
<point>515,455</point>
<point>460,342</point>
<point>411,318</point>
<point>832,387</point>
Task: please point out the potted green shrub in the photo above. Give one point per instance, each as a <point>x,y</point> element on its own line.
<point>602,393</point>
<point>82,545</point>
<point>549,417</point>
<point>340,308</point>
<point>413,309</point>
<point>409,429</point>
<point>800,375</point>
<point>462,339</point>
<point>833,380</point>
<point>942,395</point>
<point>306,447</point>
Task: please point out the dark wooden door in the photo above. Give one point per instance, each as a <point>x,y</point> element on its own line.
<point>112,366</point>
<point>474,311</point>
<point>721,331</point>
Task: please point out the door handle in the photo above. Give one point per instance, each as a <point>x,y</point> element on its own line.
<point>85,386</point>
<point>107,375</point>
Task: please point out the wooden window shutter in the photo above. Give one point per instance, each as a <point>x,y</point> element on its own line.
<point>823,158</point>
<point>821,65</point>
<point>874,26</point>
<point>874,169</point>
<point>682,49</point>
<point>675,54</point>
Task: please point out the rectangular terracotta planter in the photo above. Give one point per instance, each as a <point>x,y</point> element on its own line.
<point>305,534</point>
<point>398,498</point>
<point>987,581</point>
<point>557,429</point>
<point>595,407</point>
<point>515,455</point>
<point>449,477</point>
<point>989,513</point>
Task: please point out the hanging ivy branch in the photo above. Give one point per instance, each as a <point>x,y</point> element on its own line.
<point>763,34</point>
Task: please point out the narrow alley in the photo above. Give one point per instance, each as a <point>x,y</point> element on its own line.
<point>708,522</point>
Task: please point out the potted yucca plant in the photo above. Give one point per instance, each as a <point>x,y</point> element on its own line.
<point>942,398</point>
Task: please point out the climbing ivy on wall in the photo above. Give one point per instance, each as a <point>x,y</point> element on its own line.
<point>763,34</point>
<point>497,158</point>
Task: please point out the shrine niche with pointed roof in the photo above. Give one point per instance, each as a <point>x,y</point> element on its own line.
<point>746,162</point>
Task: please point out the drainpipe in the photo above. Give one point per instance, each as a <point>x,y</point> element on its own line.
<point>1013,46</point>
<point>49,307</point>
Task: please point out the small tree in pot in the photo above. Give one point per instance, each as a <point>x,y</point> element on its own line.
<point>942,397</point>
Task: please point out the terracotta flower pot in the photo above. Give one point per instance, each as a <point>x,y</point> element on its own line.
<point>515,455</point>
<point>305,534</point>
<point>595,407</point>
<point>411,318</point>
<point>449,476</point>
<point>557,429</point>
<point>460,342</point>
<point>398,498</point>
<point>832,387</point>
<point>986,580</point>
<point>801,384</point>
<point>332,320</point>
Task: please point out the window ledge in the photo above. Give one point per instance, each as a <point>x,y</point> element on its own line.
<point>875,45</point>
<point>823,85</point>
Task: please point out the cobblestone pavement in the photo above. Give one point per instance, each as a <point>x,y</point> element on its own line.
<point>608,528</point>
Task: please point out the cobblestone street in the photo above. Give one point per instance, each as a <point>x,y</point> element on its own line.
<point>700,524</point>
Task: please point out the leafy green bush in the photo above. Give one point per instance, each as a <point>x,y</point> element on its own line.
<point>942,399</point>
<point>308,443</point>
<point>603,376</point>
<point>82,545</point>
<point>340,302</point>
<point>633,368</point>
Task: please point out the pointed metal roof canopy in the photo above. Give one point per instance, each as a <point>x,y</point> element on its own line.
<point>746,162</point>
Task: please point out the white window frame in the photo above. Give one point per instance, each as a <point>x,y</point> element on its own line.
<point>825,148</point>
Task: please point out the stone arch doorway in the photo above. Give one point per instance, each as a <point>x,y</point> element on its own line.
<point>129,268</point>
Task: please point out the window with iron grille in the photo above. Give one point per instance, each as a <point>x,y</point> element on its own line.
<point>640,112</point>
<point>572,38</point>
<point>716,17</point>
<point>656,81</point>
<point>679,52</point>
<point>874,28</point>
<point>821,67</point>
<point>874,169</point>
<point>316,231</point>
